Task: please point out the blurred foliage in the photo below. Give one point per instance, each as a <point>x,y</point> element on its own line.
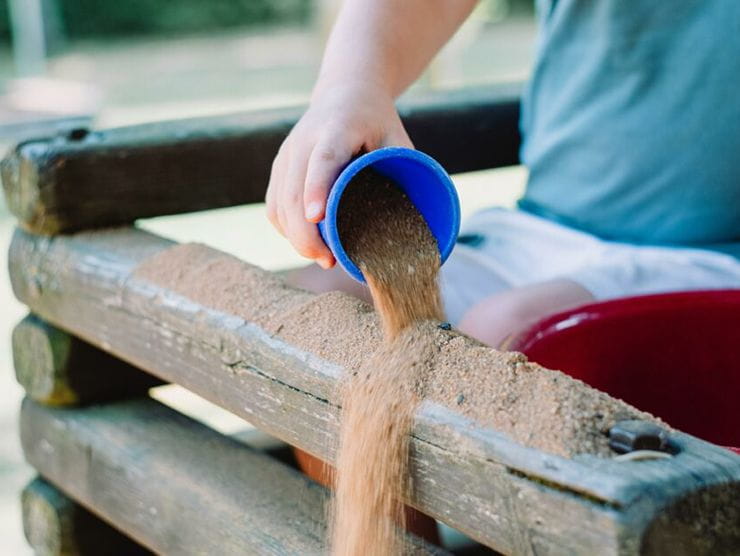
<point>76,19</point>
<point>110,18</point>
<point>86,18</point>
<point>4,21</point>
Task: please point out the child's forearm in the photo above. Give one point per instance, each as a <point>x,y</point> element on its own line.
<point>386,44</point>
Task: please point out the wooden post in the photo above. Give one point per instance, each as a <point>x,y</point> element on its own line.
<point>85,179</point>
<point>56,525</point>
<point>57,368</point>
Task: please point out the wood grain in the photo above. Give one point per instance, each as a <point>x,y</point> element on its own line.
<point>508,496</point>
<point>57,368</point>
<point>56,525</point>
<point>115,176</point>
<point>175,485</point>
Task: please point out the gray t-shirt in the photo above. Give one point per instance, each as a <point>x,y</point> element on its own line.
<point>631,120</point>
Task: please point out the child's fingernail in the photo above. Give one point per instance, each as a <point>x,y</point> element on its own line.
<point>313,211</point>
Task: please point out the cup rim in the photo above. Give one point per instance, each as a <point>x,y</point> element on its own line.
<point>352,169</point>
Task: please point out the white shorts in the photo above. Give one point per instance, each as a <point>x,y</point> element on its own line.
<point>500,249</point>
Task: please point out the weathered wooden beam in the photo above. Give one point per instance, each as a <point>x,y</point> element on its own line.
<point>56,368</point>
<point>175,485</point>
<point>56,525</point>
<point>514,498</point>
<point>269,445</point>
<point>84,179</point>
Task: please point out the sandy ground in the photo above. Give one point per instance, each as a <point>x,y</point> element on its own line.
<point>145,80</point>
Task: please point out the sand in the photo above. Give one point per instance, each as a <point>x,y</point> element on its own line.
<point>537,407</point>
<point>384,234</point>
<point>500,389</point>
<point>388,239</point>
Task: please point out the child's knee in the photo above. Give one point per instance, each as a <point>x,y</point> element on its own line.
<point>495,319</point>
<point>317,280</point>
<point>500,317</point>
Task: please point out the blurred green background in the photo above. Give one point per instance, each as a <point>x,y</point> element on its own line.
<point>79,19</point>
<point>109,63</point>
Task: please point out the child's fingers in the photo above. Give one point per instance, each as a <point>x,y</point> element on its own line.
<point>291,189</point>
<point>306,239</point>
<point>276,181</point>
<point>303,235</point>
<point>302,175</point>
<point>324,165</point>
<point>397,137</point>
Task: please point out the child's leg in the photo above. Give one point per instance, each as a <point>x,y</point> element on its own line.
<point>492,320</point>
<point>496,318</point>
<point>315,279</point>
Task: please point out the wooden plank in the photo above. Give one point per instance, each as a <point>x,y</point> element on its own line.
<point>269,445</point>
<point>175,485</point>
<point>56,368</point>
<point>506,495</point>
<point>56,525</point>
<point>91,179</point>
<point>689,528</point>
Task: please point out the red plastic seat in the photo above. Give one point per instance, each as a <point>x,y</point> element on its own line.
<point>675,355</point>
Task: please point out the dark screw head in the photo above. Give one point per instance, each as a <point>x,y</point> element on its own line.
<point>630,436</point>
<point>444,326</point>
<point>78,133</point>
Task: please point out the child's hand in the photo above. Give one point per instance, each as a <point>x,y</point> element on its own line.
<point>341,122</point>
<point>375,51</point>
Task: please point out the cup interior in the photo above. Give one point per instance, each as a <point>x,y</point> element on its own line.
<point>423,180</point>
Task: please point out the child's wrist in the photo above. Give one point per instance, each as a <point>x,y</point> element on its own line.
<point>350,83</point>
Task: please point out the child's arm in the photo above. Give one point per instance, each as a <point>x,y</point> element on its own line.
<point>377,48</point>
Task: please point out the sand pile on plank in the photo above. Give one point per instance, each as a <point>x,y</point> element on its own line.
<point>536,407</point>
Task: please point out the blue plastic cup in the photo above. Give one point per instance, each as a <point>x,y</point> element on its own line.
<point>425,183</point>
